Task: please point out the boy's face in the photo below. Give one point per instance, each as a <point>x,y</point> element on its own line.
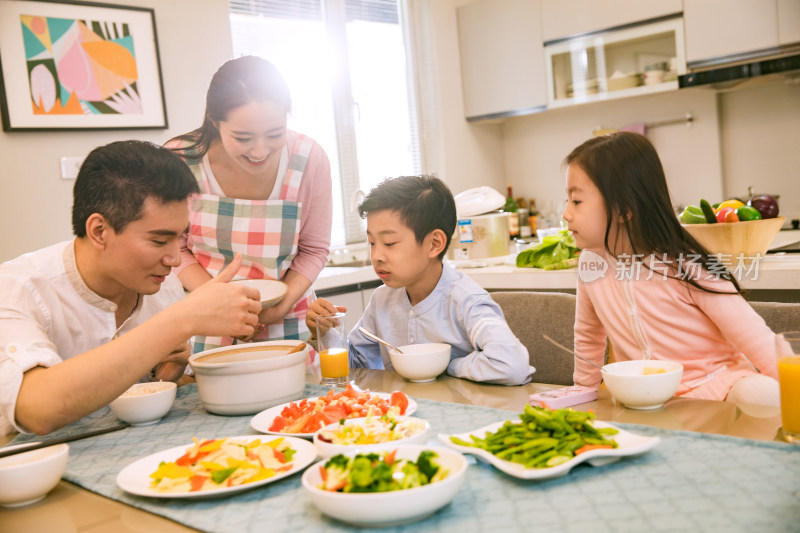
<point>397,258</point>
<point>140,256</point>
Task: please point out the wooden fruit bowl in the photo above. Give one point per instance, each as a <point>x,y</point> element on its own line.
<point>737,241</point>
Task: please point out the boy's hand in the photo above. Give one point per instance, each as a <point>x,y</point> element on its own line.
<point>172,367</point>
<point>219,308</point>
<point>320,306</point>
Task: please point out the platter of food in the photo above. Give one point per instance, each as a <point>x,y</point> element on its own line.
<point>216,467</point>
<point>304,417</point>
<point>540,446</point>
<point>370,434</point>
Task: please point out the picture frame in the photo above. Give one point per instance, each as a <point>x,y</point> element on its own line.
<point>71,65</point>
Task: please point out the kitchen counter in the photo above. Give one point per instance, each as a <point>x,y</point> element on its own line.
<point>779,272</point>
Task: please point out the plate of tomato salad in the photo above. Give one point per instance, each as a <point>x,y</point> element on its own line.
<point>304,417</point>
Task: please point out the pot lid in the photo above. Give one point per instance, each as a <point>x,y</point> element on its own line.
<point>478,201</point>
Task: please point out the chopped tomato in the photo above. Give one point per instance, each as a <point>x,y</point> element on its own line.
<point>186,459</point>
<point>279,456</point>
<point>400,400</point>
<point>279,423</point>
<point>197,482</point>
<point>389,457</point>
<point>335,412</point>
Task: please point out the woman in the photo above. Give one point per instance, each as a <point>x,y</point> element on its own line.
<point>265,192</point>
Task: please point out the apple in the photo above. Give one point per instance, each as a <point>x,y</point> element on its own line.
<point>765,204</point>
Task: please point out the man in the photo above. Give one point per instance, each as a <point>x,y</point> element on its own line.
<point>82,320</point>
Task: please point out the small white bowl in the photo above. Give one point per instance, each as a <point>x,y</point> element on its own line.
<point>144,403</point>
<point>389,508</point>
<point>272,291</point>
<point>628,383</point>
<point>421,362</point>
<point>328,449</point>
<point>245,379</point>
<point>27,477</point>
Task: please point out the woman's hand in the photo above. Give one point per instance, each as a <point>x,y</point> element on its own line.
<point>318,307</point>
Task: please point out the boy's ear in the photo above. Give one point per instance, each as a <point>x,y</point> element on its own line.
<point>97,230</point>
<point>438,242</point>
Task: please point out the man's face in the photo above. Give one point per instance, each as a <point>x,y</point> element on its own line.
<point>140,257</point>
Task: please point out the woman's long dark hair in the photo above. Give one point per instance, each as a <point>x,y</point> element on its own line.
<point>237,82</point>
<point>626,169</point>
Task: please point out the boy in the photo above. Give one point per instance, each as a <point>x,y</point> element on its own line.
<point>83,320</point>
<point>410,221</point>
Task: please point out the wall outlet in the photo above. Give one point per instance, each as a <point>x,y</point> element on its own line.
<point>70,167</point>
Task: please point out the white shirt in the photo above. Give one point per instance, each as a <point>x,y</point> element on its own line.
<point>48,314</point>
<point>458,312</point>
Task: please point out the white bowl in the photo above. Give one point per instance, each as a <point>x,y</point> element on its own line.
<point>628,383</point>
<point>244,379</point>
<point>421,362</point>
<point>389,508</point>
<point>271,291</point>
<point>28,477</point>
<point>144,403</point>
<point>328,449</point>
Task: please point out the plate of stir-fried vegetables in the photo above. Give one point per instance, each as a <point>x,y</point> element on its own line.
<point>216,467</point>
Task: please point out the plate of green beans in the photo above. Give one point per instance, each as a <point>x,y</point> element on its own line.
<point>546,443</point>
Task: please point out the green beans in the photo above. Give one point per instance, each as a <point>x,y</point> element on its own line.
<point>543,438</point>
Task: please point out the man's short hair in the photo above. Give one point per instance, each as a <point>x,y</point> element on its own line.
<point>423,202</point>
<point>116,179</point>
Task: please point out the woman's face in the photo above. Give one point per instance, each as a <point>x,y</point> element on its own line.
<point>253,135</point>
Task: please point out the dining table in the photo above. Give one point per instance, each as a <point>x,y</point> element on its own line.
<point>718,467</point>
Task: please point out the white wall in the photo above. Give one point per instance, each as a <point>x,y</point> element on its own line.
<point>194,40</point>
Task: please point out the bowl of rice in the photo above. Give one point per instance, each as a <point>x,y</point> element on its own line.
<point>144,403</point>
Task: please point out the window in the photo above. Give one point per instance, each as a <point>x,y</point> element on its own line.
<point>346,65</point>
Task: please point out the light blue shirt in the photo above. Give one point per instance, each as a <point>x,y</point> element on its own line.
<point>458,312</point>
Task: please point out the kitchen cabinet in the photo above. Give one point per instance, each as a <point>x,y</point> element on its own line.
<point>638,60</point>
<point>788,22</point>
<point>567,18</point>
<point>502,58</point>
<point>718,28</point>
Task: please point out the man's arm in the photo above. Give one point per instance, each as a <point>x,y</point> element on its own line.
<point>50,398</point>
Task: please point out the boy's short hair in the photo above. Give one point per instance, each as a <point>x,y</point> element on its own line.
<point>114,181</point>
<point>423,202</point>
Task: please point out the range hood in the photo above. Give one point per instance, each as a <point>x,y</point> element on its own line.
<point>724,75</point>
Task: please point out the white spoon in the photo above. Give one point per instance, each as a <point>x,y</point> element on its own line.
<point>573,353</point>
<point>375,337</point>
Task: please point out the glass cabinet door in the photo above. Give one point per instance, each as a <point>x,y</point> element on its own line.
<point>614,64</point>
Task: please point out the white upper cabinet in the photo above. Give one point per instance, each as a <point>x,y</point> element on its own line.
<point>788,21</point>
<point>565,18</point>
<point>719,28</point>
<point>502,58</point>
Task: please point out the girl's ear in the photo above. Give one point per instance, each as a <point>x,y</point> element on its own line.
<point>438,242</point>
<point>97,230</point>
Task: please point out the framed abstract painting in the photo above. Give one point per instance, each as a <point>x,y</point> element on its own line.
<point>79,65</point>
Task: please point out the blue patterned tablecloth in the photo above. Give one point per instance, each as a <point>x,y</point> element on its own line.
<point>690,482</point>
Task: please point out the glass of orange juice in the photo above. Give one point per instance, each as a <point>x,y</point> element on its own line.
<point>787,349</point>
<point>334,364</point>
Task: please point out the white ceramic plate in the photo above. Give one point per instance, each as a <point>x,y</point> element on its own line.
<point>135,478</point>
<point>263,420</point>
<point>629,444</point>
<point>272,291</point>
<point>328,449</point>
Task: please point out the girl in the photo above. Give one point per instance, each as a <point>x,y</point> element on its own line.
<point>660,295</point>
<point>265,192</point>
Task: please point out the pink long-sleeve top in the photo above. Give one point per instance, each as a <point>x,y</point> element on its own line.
<point>315,195</point>
<point>718,338</point>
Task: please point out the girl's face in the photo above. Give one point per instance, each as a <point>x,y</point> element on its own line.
<point>253,135</point>
<point>586,210</point>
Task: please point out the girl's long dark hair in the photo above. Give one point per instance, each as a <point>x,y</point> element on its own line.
<point>237,82</point>
<point>626,169</point>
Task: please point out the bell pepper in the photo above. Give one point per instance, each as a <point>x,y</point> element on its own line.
<point>693,215</point>
<point>745,212</point>
<point>735,204</point>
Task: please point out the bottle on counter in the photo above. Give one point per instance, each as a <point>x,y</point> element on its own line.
<point>511,208</point>
<point>524,224</point>
<point>532,214</point>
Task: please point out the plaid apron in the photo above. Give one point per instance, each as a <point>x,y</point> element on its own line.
<point>265,232</point>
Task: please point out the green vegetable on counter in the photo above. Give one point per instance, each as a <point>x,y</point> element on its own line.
<point>552,253</point>
<point>693,215</point>
<point>711,217</point>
